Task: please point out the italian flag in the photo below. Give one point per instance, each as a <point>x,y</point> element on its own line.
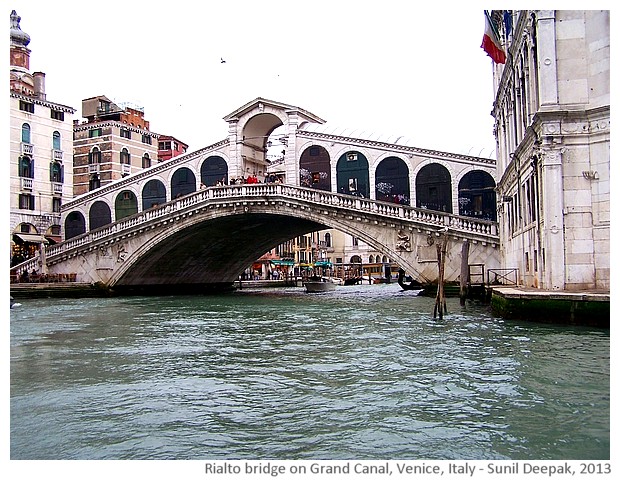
<point>490,40</point>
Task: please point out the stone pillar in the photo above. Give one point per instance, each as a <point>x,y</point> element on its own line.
<point>291,158</point>
<point>547,57</point>
<point>235,166</point>
<point>553,218</point>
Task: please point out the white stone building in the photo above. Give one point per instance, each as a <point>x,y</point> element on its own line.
<point>552,125</point>
<point>40,156</point>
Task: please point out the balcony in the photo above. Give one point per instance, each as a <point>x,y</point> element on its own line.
<point>57,155</point>
<point>26,183</point>
<point>57,188</point>
<point>27,148</point>
<point>93,168</point>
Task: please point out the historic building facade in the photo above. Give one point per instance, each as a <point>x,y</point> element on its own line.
<point>552,125</point>
<point>41,144</point>
<point>112,142</point>
<point>169,147</point>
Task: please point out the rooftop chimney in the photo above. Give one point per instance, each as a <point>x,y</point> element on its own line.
<point>39,85</point>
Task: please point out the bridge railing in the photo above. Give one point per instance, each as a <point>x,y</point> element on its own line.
<point>343,201</point>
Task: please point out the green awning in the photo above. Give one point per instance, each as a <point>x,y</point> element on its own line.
<point>323,263</point>
<point>286,263</point>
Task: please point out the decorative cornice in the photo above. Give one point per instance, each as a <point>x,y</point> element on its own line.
<point>38,101</point>
<point>113,123</point>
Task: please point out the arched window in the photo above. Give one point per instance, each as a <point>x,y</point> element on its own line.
<point>153,194</point>
<point>94,156</point>
<point>434,188</point>
<point>56,141</point>
<point>146,161</point>
<point>328,239</point>
<point>477,195</point>
<point>56,172</point>
<point>94,182</point>
<point>25,133</point>
<point>75,225</point>
<point>352,174</point>
<point>213,170</point>
<point>183,182</point>
<point>126,204</point>
<point>99,215</point>
<point>26,167</point>
<point>125,157</point>
<point>315,168</point>
<point>392,181</point>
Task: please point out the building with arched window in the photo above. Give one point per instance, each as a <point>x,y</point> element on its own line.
<point>552,125</point>
<point>40,144</point>
<point>120,137</point>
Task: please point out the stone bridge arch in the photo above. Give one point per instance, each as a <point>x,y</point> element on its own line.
<point>210,236</point>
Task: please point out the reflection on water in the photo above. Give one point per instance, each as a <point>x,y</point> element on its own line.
<point>363,372</point>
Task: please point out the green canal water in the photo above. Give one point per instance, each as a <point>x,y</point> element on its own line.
<point>364,372</point>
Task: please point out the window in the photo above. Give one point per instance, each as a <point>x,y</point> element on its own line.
<point>146,161</point>
<point>25,133</point>
<point>26,106</point>
<point>94,132</point>
<point>527,262</point>
<point>94,156</point>
<point>125,133</point>
<point>55,229</point>
<point>26,167</point>
<point>56,140</point>
<point>56,202</point>
<point>94,182</point>
<point>328,240</point>
<point>147,139</point>
<point>56,172</point>
<point>57,115</point>
<point>164,145</point>
<point>125,157</point>
<point>26,201</point>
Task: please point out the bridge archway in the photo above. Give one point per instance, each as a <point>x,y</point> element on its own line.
<point>392,181</point>
<point>183,182</point>
<point>213,170</point>
<point>99,215</point>
<point>315,168</point>
<point>75,224</point>
<point>126,204</point>
<point>352,175</point>
<point>477,197</point>
<point>153,193</point>
<point>434,188</point>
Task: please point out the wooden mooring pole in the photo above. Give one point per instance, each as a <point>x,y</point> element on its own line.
<point>464,271</point>
<point>440,299</point>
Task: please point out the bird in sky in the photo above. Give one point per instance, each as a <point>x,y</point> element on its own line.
<point>222,60</point>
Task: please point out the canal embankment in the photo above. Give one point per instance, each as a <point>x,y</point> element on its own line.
<point>587,308</point>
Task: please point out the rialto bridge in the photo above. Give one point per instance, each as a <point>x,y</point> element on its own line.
<point>187,222</point>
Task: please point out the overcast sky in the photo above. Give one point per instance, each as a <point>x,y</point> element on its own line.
<point>389,67</point>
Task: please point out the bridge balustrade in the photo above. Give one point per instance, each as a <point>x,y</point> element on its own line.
<point>320,197</point>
